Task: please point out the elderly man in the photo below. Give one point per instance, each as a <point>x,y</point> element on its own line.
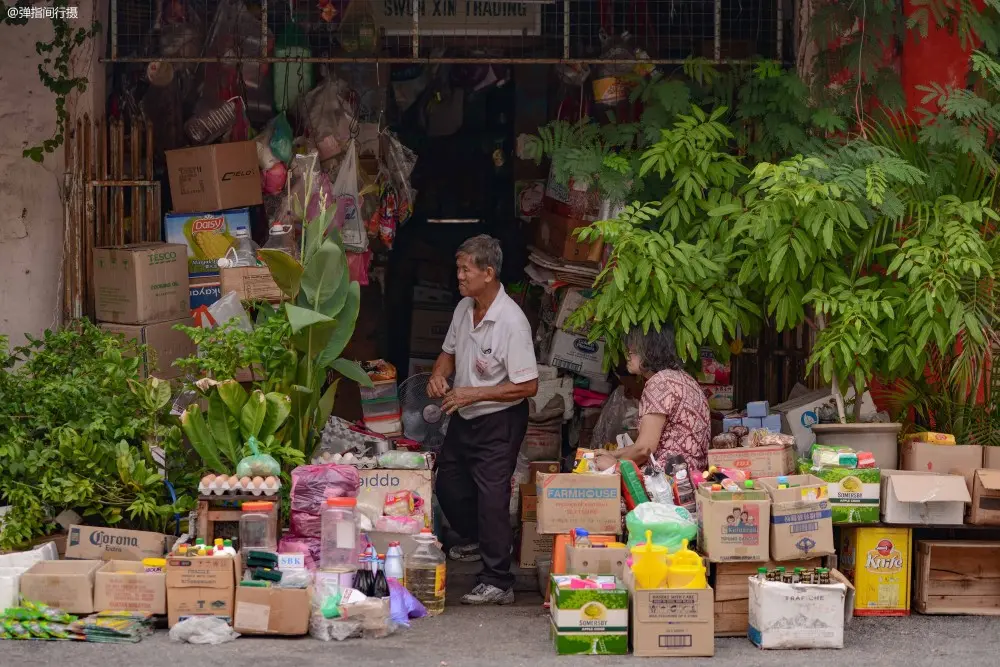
<point>489,350</point>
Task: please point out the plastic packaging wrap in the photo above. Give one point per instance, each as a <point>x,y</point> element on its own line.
<point>328,117</point>
<point>311,486</point>
<point>348,215</point>
<point>295,579</point>
<point>406,525</point>
<point>398,504</point>
<point>403,606</point>
<point>257,464</point>
<point>280,141</point>
<point>307,546</point>
<point>403,460</point>
<point>619,414</point>
<point>203,630</point>
<point>669,524</point>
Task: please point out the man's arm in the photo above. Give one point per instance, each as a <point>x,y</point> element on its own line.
<point>508,392</point>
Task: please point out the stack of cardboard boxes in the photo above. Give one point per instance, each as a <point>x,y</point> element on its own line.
<point>534,545</point>
<point>430,319</point>
<point>571,349</point>
<point>211,188</point>
<point>141,292</point>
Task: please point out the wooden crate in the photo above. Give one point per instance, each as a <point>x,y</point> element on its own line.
<point>732,593</point>
<point>219,516</point>
<point>958,577</point>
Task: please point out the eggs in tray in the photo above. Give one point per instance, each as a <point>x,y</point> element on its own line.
<point>231,484</point>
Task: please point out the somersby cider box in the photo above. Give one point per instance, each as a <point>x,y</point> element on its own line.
<point>878,561</point>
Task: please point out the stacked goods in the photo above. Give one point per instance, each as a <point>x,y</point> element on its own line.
<point>589,615</point>
<point>801,517</point>
<point>853,482</point>
<point>715,379</point>
<point>941,453</point>
<point>732,591</point>
<point>571,348</point>
<point>534,546</point>
<point>142,293</point>
<point>380,404</point>
<point>758,451</point>
<point>803,614</point>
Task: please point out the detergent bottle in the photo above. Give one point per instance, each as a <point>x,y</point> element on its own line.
<point>685,569</point>
<point>650,566</point>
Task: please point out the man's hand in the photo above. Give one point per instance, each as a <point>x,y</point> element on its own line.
<point>437,387</point>
<point>459,398</point>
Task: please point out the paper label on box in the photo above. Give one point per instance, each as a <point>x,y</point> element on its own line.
<point>742,527</point>
<point>291,561</point>
<point>251,616</point>
<point>680,606</point>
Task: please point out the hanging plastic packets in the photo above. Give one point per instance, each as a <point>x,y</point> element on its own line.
<point>306,178</point>
<point>348,215</point>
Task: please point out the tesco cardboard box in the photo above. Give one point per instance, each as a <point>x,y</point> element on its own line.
<point>214,177</point>
<point>98,543</point>
<point>734,526</point>
<point>200,586</point>
<point>801,518</point>
<point>141,283</point>
<point>124,585</point>
<point>272,611</point>
<point>164,345</point>
<point>676,622</point>
<point>923,498</point>
<point>800,616</point>
<point>375,484</point>
<point>770,461</point>
<point>66,584</point>
<point>568,500</point>
<point>961,460</point>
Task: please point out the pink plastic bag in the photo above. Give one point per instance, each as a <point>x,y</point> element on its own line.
<point>311,486</point>
<point>307,546</point>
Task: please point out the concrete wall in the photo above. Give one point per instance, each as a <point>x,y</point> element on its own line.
<point>31,210</point>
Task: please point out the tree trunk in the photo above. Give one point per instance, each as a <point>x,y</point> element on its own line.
<point>805,47</point>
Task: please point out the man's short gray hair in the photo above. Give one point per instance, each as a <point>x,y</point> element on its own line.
<point>485,252</point>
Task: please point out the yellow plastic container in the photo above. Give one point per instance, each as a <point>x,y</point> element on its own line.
<point>650,564</point>
<point>154,565</point>
<point>685,569</point>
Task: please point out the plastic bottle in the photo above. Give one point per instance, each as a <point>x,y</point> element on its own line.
<point>340,539</point>
<point>582,538</point>
<point>424,572</point>
<point>280,237</point>
<point>364,580</point>
<point>227,546</point>
<point>199,544</point>
<point>380,586</point>
<point>394,562</point>
<point>243,252</point>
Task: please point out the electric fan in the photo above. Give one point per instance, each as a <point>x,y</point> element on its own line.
<point>423,419</point>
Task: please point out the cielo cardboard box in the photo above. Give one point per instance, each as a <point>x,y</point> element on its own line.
<point>98,543</point>
<point>375,484</point>
<point>215,177</point>
<point>675,622</point>
<point>734,526</point>
<point>141,283</point>
<point>878,561</point>
<point>801,518</point>
<point>271,611</point>
<point>124,585</point>
<point>200,586</point>
<point>569,500</point>
<point>923,498</point>
<point>769,461</point>
<point>798,616</point>
<point>65,584</point>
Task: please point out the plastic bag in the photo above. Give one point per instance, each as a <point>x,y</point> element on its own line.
<point>311,486</point>
<point>407,525</point>
<point>295,579</point>
<point>543,439</point>
<point>306,176</point>
<point>257,464</point>
<point>348,215</point>
<point>618,415</point>
<point>281,138</point>
<point>328,117</point>
<point>398,503</point>
<point>309,547</point>
<point>403,460</point>
<point>670,525</point>
<point>402,605</point>
<point>203,630</point>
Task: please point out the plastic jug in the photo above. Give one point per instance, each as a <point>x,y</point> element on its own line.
<point>685,569</point>
<point>339,542</point>
<point>650,565</point>
<point>424,572</point>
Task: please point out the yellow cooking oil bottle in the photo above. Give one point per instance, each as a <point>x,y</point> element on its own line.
<point>878,561</point>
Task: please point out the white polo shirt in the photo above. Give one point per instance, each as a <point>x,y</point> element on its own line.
<point>499,350</point>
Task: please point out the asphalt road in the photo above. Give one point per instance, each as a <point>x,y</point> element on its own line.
<point>518,635</point>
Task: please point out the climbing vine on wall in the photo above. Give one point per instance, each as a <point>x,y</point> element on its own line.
<point>54,70</point>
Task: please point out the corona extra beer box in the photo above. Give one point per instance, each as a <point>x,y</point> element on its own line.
<point>878,561</point>
<point>207,237</point>
<point>99,543</point>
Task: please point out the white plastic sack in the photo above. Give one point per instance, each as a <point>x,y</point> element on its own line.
<point>345,191</point>
<point>203,630</point>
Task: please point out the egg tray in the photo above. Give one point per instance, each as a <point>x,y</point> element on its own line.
<point>215,489</point>
<point>360,462</point>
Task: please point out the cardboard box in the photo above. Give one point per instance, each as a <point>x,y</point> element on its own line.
<point>164,345</point>
<point>596,560</point>
<point>673,622</point>
<point>770,461</point>
<point>215,177</point>
<point>141,283</point>
<point>124,585</point>
<point>533,545</point>
<point>731,582</point>
<point>878,561</point>
<point>800,414</point>
<point>529,505</point>
<point>66,584</point>
<point>961,460</point>
<point>572,299</point>
<point>251,283</point>
<point>576,353</point>
<point>589,609</point>
<point>923,498</point>
<point>734,526</point>
<point>985,507</point>
<point>554,235</point>
<point>720,396</point>
<point>200,586</point>
<point>417,366</point>
<point>801,518</point>
<point>567,501</point>
<point>96,543</point>
<point>271,611</point>
<point>796,616</point>
<point>589,643</point>
<point>375,484</point>
<point>544,467</point>
<point>428,329</point>
<point>991,458</point>
<point>854,494</point>
<point>204,291</point>
<point>206,236</point>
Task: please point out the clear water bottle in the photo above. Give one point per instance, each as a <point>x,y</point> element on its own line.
<point>424,572</point>
<point>281,238</point>
<point>243,252</point>
<point>394,561</point>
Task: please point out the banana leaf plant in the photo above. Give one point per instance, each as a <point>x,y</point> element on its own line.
<point>233,416</point>
<point>322,310</point>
